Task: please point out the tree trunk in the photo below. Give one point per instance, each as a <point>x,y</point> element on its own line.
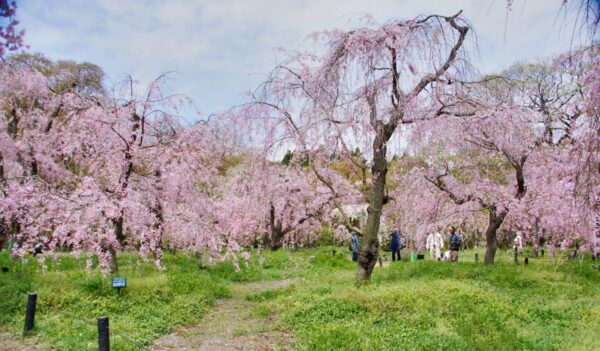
<point>1,172</point>
<point>276,238</point>
<point>118,228</point>
<point>157,209</point>
<point>124,185</point>
<point>113,266</point>
<point>369,245</point>
<point>158,212</point>
<point>537,239</point>
<point>495,220</point>
<point>276,231</point>
<point>3,234</point>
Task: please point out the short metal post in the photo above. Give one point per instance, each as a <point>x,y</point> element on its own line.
<point>542,252</point>
<point>476,257</point>
<point>30,314</point>
<point>526,261</point>
<point>103,338</point>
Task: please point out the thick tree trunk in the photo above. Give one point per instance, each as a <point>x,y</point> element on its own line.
<point>119,234</point>
<point>495,220</point>
<point>275,240</point>
<point>369,245</point>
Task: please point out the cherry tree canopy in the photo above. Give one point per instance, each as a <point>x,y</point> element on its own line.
<point>10,39</point>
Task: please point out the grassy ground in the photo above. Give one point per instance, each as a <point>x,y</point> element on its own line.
<point>70,301</point>
<point>547,305</point>
<point>153,304</point>
<point>551,304</point>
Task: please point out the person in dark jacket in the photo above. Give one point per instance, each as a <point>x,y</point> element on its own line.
<point>396,244</point>
<point>355,245</point>
<point>455,242</point>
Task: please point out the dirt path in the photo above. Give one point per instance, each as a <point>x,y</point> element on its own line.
<point>231,326</point>
<point>10,342</point>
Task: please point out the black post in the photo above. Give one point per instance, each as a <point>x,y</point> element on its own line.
<point>526,261</point>
<point>476,257</point>
<point>30,314</point>
<point>103,340</point>
<point>542,252</point>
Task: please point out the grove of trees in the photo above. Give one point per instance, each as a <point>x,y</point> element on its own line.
<point>98,170</point>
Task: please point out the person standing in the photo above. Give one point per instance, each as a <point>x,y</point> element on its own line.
<point>455,242</point>
<point>518,243</point>
<point>396,245</point>
<point>355,246</point>
<point>435,244</point>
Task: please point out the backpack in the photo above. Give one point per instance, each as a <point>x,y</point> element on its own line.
<point>455,241</point>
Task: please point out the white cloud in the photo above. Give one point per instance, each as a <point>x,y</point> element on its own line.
<point>222,47</point>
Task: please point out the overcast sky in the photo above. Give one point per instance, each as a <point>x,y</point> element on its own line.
<point>223,48</point>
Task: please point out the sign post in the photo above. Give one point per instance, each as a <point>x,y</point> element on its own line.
<point>103,334</point>
<point>119,283</point>
<point>30,314</point>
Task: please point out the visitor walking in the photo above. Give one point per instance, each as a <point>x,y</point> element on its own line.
<point>355,245</point>
<point>396,245</point>
<point>455,242</point>
<point>435,244</point>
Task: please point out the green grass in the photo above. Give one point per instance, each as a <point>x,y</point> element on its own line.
<point>70,300</point>
<point>153,304</point>
<point>551,304</point>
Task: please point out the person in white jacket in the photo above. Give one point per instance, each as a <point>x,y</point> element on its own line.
<point>518,243</point>
<point>435,244</point>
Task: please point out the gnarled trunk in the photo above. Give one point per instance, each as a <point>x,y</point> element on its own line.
<point>120,236</point>
<point>369,245</point>
<point>495,220</point>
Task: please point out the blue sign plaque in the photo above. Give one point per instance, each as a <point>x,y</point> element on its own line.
<point>119,282</point>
